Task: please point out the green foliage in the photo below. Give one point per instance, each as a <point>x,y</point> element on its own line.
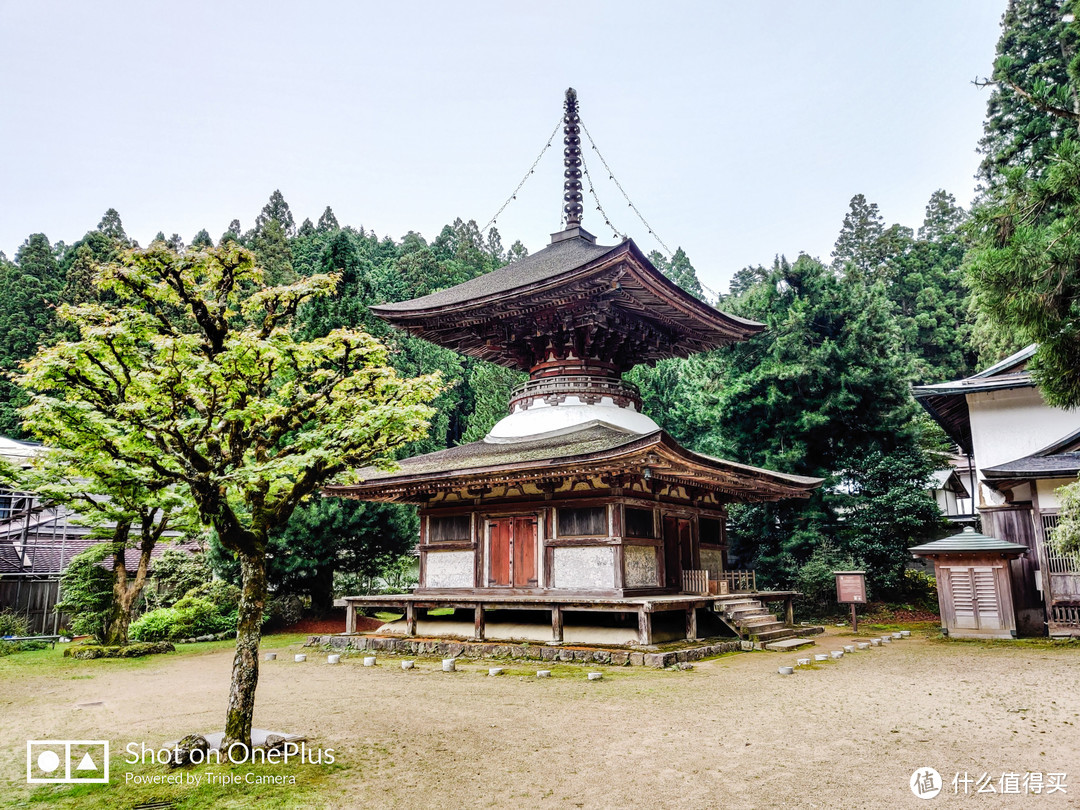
<point>1066,536</point>
<point>88,652</point>
<point>822,392</point>
<point>15,624</point>
<point>30,288</point>
<point>1024,269</point>
<point>224,595</point>
<point>177,573</point>
<point>1031,66</point>
<point>815,578</point>
<point>86,587</point>
<point>190,617</point>
<point>490,386</point>
<point>920,588</point>
<point>679,270</point>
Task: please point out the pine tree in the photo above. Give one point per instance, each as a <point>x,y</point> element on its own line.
<point>31,288</point>
<point>1031,70</point>
<point>276,209</point>
<point>327,222</point>
<point>202,240</point>
<point>862,237</point>
<point>112,227</point>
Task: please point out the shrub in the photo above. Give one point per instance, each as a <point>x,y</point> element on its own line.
<point>87,588</point>
<point>15,624</point>
<point>221,593</point>
<point>283,611</point>
<point>190,617</point>
<point>816,579</point>
<point>177,573</point>
<point>155,625</point>
<point>135,650</point>
<point>921,588</point>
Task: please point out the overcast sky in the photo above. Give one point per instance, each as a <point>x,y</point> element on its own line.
<point>740,130</point>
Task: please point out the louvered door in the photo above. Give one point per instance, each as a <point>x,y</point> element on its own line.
<point>987,602</point>
<point>975,599</point>
<point>963,598</point>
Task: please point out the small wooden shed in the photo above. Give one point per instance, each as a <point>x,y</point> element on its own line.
<point>974,581</point>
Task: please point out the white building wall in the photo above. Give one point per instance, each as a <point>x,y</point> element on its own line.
<point>1007,425</point>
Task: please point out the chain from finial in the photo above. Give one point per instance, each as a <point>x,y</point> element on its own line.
<point>572,196</point>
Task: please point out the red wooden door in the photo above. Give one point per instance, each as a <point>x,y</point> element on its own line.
<point>499,532</point>
<point>524,556</point>
<point>512,552</point>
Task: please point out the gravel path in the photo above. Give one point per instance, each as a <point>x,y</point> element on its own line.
<point>729,733</point>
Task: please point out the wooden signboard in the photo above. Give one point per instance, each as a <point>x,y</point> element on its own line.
<point>851,590</point>
<point>850,587</point>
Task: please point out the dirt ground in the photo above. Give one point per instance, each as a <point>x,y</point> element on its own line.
<point>729,733</point>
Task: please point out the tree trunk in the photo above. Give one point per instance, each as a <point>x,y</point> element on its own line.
<point>245,674</point>
<point>125,595</point>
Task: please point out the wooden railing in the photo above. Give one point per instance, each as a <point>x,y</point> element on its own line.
<point>695,581</point>
<point>740,581</point>
<point>703,582</point>
<point>1065,614</point>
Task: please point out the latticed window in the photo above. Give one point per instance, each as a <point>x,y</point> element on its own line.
<point>589,521</point>
<point>1060,562</point>
<point>444,529</point>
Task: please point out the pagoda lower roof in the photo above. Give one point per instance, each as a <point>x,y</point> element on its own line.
<point>572,284</point>
<point>594,449</point>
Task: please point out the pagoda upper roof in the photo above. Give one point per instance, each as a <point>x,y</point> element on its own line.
<point>572,284</point>
<point>596,448</point>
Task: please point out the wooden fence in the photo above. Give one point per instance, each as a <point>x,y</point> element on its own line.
<point>35,598</point>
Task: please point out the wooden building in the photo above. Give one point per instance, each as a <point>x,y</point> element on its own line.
<point>975,583</point>
<point>576,501</point>
<point>1023,450</point>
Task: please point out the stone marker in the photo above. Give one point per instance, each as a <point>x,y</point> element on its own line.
<point>369,660</point>
<point>837,654</point>
<point>849,648</point>
<point>407,664</point>
<point>596,676</point>
<point>803,662</point>
<point>786,670</point>
<point>271,656</point>
<point>299,658</point>
<point>333,659</point>
<point>821,657</point>
<point>875,642</point>
<point>886,640</point>
<point>543,673</point>
<point>897,635</point>
<point>905,633</point>
<point>864,645</point>
<point>449,665</point>
<point>493,671</point>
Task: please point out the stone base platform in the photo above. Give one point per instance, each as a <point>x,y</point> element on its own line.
<point>447,648</point>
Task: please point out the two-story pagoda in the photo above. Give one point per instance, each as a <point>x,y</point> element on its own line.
<point>576,501</point>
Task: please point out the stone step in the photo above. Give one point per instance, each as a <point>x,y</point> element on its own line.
<point>740,618</point>
<point>776,634</point>
<point>788,644</point>
<point>758,621</point>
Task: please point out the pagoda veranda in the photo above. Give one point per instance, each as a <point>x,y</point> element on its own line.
<point>576,503</point>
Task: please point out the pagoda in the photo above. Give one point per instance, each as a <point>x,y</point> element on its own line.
<point>576,501</point>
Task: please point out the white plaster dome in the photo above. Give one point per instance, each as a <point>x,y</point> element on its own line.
<point>542,418</point>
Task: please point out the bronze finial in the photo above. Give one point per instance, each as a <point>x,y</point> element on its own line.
<point>572,160</point>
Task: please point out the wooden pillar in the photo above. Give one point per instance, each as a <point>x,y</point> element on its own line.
<point>350,618</point>
<point>691,623</point>
<point>789,612</point>
<point>644,624</point>
<point>556,624</point>
<point>410,619</point>
<point>478,622</point>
